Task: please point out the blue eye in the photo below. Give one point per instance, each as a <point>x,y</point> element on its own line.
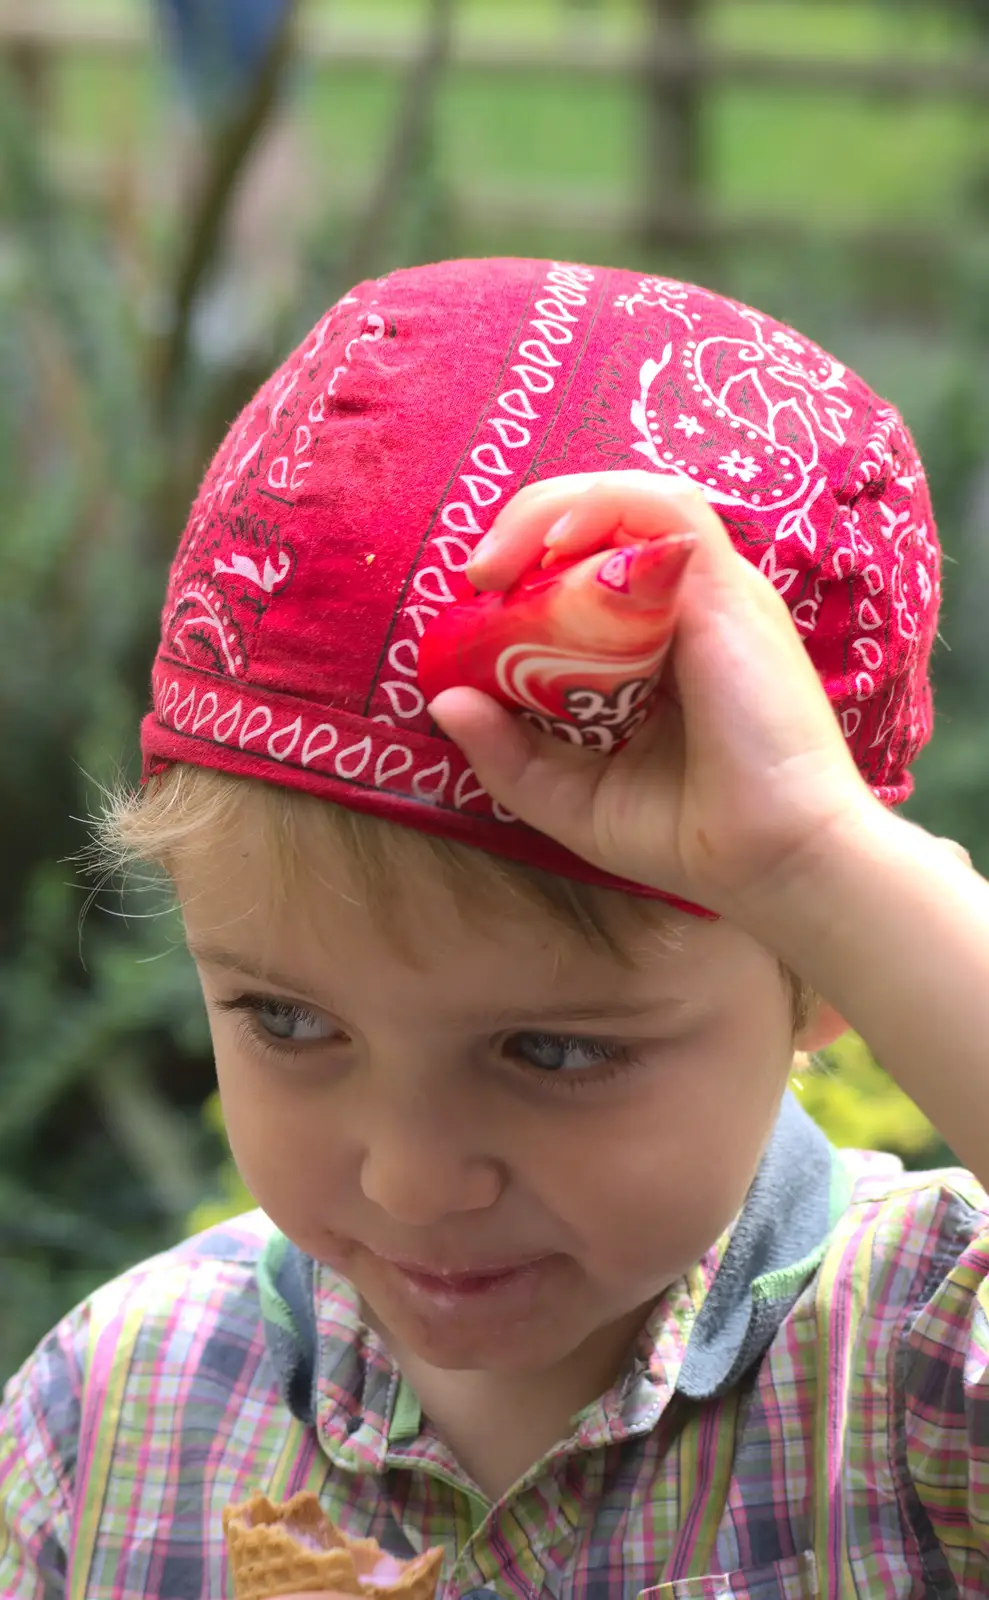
<point>280,1020</point>
<point>292,1023</point>
<point>553,1052</point>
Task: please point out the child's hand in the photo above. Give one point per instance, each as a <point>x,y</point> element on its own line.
<point>742,766</point>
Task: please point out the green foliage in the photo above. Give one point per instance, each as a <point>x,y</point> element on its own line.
<point>860,1107</point>
<point>231,1196</point>
<point>84,1047</point>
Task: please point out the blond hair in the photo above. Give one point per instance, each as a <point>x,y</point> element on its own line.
<point>186,810</point>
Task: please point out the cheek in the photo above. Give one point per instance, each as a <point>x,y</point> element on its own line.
<point>281,1141</point>
<point>651,1184</point>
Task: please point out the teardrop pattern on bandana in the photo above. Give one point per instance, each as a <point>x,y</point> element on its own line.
<point>467,789</point>
<point>282,743</point>
<point>497,457</point>
<point>865,686</point>
<point>455,552</point>
<point>432,584</point>
<point>488,458</point>
<point>319,743</point>
<point>419,617</point>
<point>255,726</point>
<point>393,763</point>
<point>376,761</point>
<point>184,711</point>
<point>406,699</point>
<point>350,763</point>
<point>869,652</point>
<point>205,712</point>
<point>431,784</point>
<point>225,727</point>
<point>403,656</point>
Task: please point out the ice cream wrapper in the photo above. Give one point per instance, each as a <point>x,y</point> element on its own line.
<point>578,646</point>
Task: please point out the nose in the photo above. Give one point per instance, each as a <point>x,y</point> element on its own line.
<point>419,1169</point>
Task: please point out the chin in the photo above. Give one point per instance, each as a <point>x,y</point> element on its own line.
<point>509,1352</point>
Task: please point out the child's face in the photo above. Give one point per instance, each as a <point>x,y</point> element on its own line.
<point>514,1100</point>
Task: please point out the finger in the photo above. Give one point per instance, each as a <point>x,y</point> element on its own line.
<point>642,505</point>
<point>546,782</point>
<point>580,514</point>
<point>517,535</point>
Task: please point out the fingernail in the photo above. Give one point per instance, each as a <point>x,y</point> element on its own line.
<point>560,528</point>
<point>657,566</point>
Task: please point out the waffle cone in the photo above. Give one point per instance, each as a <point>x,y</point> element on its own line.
<point>293,1548</point>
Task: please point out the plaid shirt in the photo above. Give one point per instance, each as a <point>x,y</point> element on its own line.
<point>807,1414</point>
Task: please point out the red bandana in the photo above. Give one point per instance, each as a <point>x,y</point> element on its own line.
<point>351,491</point>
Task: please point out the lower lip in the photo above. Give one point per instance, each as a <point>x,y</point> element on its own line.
<point>468,1287</point>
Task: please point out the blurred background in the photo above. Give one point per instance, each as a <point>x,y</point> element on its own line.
<point>184,187</point>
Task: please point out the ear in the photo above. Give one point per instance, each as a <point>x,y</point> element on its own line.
<point>824,1027</point>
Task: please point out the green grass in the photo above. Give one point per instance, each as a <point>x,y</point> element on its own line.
<point>849,162</point>
<point>807,155</point>
<point>872,29</point>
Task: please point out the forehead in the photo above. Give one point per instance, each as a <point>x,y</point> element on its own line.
<point>314,930</point>
<point>323,904</point>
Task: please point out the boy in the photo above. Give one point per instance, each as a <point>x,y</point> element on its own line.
<point>555,1275</point>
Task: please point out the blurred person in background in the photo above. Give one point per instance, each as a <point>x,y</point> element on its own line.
<point>220,49</point>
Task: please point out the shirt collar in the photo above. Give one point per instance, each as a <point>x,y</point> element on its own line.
<point>709,1329</point>
<point>799,1192</point>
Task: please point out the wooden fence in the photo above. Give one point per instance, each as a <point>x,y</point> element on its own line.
<point>672,65</point>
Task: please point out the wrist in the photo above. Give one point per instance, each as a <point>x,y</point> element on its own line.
<point>817,888</point>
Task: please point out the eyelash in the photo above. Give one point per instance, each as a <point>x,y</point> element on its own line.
<point>617,1057</point>
<point>248,1008</point>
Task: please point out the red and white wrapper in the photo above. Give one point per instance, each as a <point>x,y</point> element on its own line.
<point>578,646</point>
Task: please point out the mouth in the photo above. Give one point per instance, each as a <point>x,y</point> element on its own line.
<point>442,1283</point>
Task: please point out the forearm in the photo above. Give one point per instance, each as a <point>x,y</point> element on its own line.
<point>893,931</point>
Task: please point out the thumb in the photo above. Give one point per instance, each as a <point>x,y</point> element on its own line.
<point>549,784</point>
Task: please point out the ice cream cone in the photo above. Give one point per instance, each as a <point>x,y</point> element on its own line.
<point>293,1548</point>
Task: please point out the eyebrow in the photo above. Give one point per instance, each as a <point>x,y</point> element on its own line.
<point>588,1011</point>
<point>211,955</point>
<point>578,1011</point>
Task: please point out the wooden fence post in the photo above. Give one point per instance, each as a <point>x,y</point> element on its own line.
<point>29,63</point>
<point>674,135</point>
